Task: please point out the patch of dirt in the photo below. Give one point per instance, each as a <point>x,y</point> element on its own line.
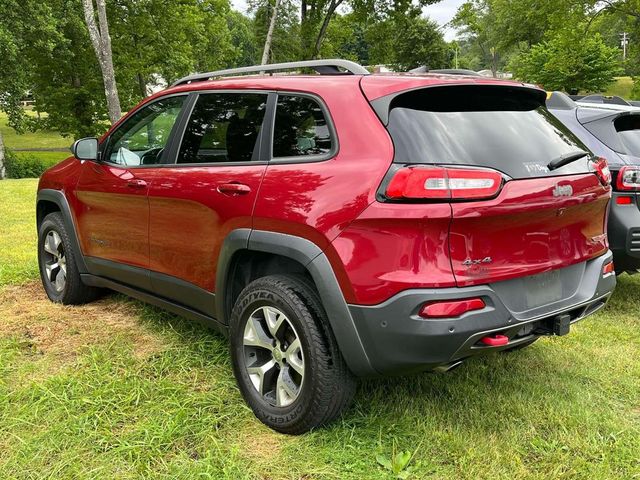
<point>47,328</point>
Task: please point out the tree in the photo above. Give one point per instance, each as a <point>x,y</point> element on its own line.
<point>569,61</point>
<point>267,42</point>
<point>406,42</point>
<point>101,41</point>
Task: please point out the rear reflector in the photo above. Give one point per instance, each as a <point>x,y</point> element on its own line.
<point>608,268</point>
<point>451,308</point>
<point>495,340</point>
<point>439,183</point>
<point>628,178</point>
<point>624,200</point>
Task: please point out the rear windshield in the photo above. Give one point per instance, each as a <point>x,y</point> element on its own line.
<point>507,129</point>
<point>628,128</point>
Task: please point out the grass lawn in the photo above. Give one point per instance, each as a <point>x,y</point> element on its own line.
<point>40,139</point>
<point>118,389</point>
<point>621,87</point>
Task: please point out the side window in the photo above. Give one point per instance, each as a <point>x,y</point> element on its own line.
<point>300,128</point>
<point>224,127</point>
<point>142,138</point>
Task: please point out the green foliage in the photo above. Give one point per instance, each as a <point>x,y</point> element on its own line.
<point>26,165</point>
<point>406,42</point>
<point>569,61</point>
<point>398,463</point>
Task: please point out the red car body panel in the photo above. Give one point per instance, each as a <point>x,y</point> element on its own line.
<point>190,217</point>
<point>112,213</point>
<point>391,248</point>
<point>528,230</point>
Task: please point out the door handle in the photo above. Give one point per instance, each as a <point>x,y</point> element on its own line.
<point>136,183</point>
<point>234,188</point>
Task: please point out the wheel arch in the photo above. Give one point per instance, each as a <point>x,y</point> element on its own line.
<point>50,201</point>
<point>306,257</point>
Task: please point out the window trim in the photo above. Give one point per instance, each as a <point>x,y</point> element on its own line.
<point>335,144</point>
<point>104,146</point>
<point>179,137</point>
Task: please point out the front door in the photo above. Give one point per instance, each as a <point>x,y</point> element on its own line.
<point>210,191</point>
<point>113,207</point>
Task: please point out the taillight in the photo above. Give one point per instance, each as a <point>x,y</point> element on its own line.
<point>440,183</point>
<point>601,168</point>
<point>628,178</point>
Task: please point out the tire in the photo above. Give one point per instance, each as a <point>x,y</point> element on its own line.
<point>62,283</point>
<point>301,388</point>
<point>521,346</point>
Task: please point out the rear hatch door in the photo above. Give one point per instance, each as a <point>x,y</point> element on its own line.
<point>542,219</point>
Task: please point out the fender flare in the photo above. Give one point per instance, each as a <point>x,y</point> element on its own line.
<point>316,262</point>
<point>57,197</point>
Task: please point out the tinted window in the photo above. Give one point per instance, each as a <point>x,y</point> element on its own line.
<point>224,127</point>
<point>498,127</point>
<point>628,128</point>
<point>300,128</point>
<point>142,138</point>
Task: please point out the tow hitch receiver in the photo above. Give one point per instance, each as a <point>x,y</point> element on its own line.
<point>561,325</point>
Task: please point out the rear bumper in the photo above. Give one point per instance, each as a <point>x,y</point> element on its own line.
<point>624,233</point>
<point>397,340</point>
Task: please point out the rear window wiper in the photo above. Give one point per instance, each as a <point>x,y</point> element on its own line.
<point>566,159</point>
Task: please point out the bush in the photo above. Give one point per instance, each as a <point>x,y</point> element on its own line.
<point>25,165</point>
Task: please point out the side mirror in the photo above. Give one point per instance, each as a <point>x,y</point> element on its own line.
<point>86,149</point>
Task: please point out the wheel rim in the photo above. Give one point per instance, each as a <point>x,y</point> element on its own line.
<point>55,261</point>
<point>273,356</point>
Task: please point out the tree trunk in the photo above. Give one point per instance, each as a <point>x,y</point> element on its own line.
<point>142,85</point>
<point>3,172</point>
<point>101,41</point>
<point>325,24</point>
<point>267,41</point>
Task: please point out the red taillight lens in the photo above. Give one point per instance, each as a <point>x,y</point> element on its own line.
<point>608,268</point>
<point>628,178</point>
<point>624,200</point>
<point>440,183</point>
<point>451,308</point>
<point>601,168</point>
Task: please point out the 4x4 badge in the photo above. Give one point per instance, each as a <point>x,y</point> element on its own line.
<point>470,262</point>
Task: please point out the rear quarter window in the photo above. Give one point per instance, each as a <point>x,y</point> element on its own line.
<point>507,129</point>
<point>628,129</point>
<point>301,128</point>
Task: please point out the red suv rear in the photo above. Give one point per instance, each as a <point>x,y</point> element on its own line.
<point>336,225</point>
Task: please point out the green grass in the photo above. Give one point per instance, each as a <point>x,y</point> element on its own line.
<point>118,389</point>
<point>621,87</point>
<point>17,230</point>
<point>28,140</point>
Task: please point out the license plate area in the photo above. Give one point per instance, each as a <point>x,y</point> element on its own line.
<point>543,289</point>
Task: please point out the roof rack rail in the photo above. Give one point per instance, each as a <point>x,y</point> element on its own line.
<point>323,67</point>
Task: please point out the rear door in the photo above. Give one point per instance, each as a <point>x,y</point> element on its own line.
<point>542,218</point>
<point>209,191</point>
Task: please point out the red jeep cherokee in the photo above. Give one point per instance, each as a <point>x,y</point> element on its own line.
<point>335,225</point>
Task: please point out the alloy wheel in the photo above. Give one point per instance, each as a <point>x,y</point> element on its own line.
<point>55,261</point>
<point>273,356</point>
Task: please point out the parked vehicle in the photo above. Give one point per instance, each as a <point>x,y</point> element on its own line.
<point>336,225</point>
<point>610,127</point>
